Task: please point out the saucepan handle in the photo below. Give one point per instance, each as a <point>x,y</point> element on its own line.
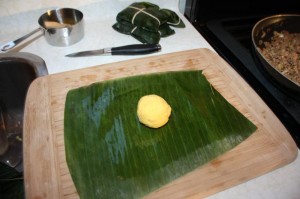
<point>10,45</point>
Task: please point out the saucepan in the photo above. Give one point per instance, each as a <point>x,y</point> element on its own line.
<point>60,27</point>
<point>276,42</point>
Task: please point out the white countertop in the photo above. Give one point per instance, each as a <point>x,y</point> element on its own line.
<point>18,18</point>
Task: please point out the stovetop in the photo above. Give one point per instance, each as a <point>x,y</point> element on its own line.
<point>230,36</point>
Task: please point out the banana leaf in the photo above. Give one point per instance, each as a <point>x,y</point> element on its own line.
<point>110,154</point>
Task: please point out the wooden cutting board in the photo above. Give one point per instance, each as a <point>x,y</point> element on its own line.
<point>45,169</point>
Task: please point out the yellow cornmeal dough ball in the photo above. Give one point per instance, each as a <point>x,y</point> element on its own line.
<point>153,111</point>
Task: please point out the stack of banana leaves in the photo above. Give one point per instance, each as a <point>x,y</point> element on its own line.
<point>147,22</point>
<point>110,154</point>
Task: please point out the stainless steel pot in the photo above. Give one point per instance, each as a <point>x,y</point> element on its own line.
<point>61,27</point>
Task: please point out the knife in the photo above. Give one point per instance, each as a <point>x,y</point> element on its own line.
<point>135,49</point>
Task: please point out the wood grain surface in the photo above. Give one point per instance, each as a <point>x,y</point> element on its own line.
<point>45,169</point>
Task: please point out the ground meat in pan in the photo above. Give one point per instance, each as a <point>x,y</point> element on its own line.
<point>283,52</point>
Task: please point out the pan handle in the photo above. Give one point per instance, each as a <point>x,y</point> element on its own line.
<point>12,44</point>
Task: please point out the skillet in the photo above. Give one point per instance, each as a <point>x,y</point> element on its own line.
<point>262,32</point>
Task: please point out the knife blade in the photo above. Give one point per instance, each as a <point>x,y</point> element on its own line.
<point>134,49</point>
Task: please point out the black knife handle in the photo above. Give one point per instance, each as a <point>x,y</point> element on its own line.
<point>136,49</point>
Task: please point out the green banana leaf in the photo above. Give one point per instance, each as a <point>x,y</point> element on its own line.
<point>110,154</point>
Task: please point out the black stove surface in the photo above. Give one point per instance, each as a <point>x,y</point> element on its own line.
<point>230,35</point>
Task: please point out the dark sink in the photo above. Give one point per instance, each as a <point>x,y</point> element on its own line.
<point>17,71</point>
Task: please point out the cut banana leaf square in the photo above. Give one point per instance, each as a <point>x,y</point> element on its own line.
<point>110,154</point>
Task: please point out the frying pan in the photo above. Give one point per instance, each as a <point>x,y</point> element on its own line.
<point>262,32</point>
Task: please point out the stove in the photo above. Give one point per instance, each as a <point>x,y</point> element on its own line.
<point>227,26</point>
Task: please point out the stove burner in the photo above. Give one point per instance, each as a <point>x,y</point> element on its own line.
<point>231,38</point>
